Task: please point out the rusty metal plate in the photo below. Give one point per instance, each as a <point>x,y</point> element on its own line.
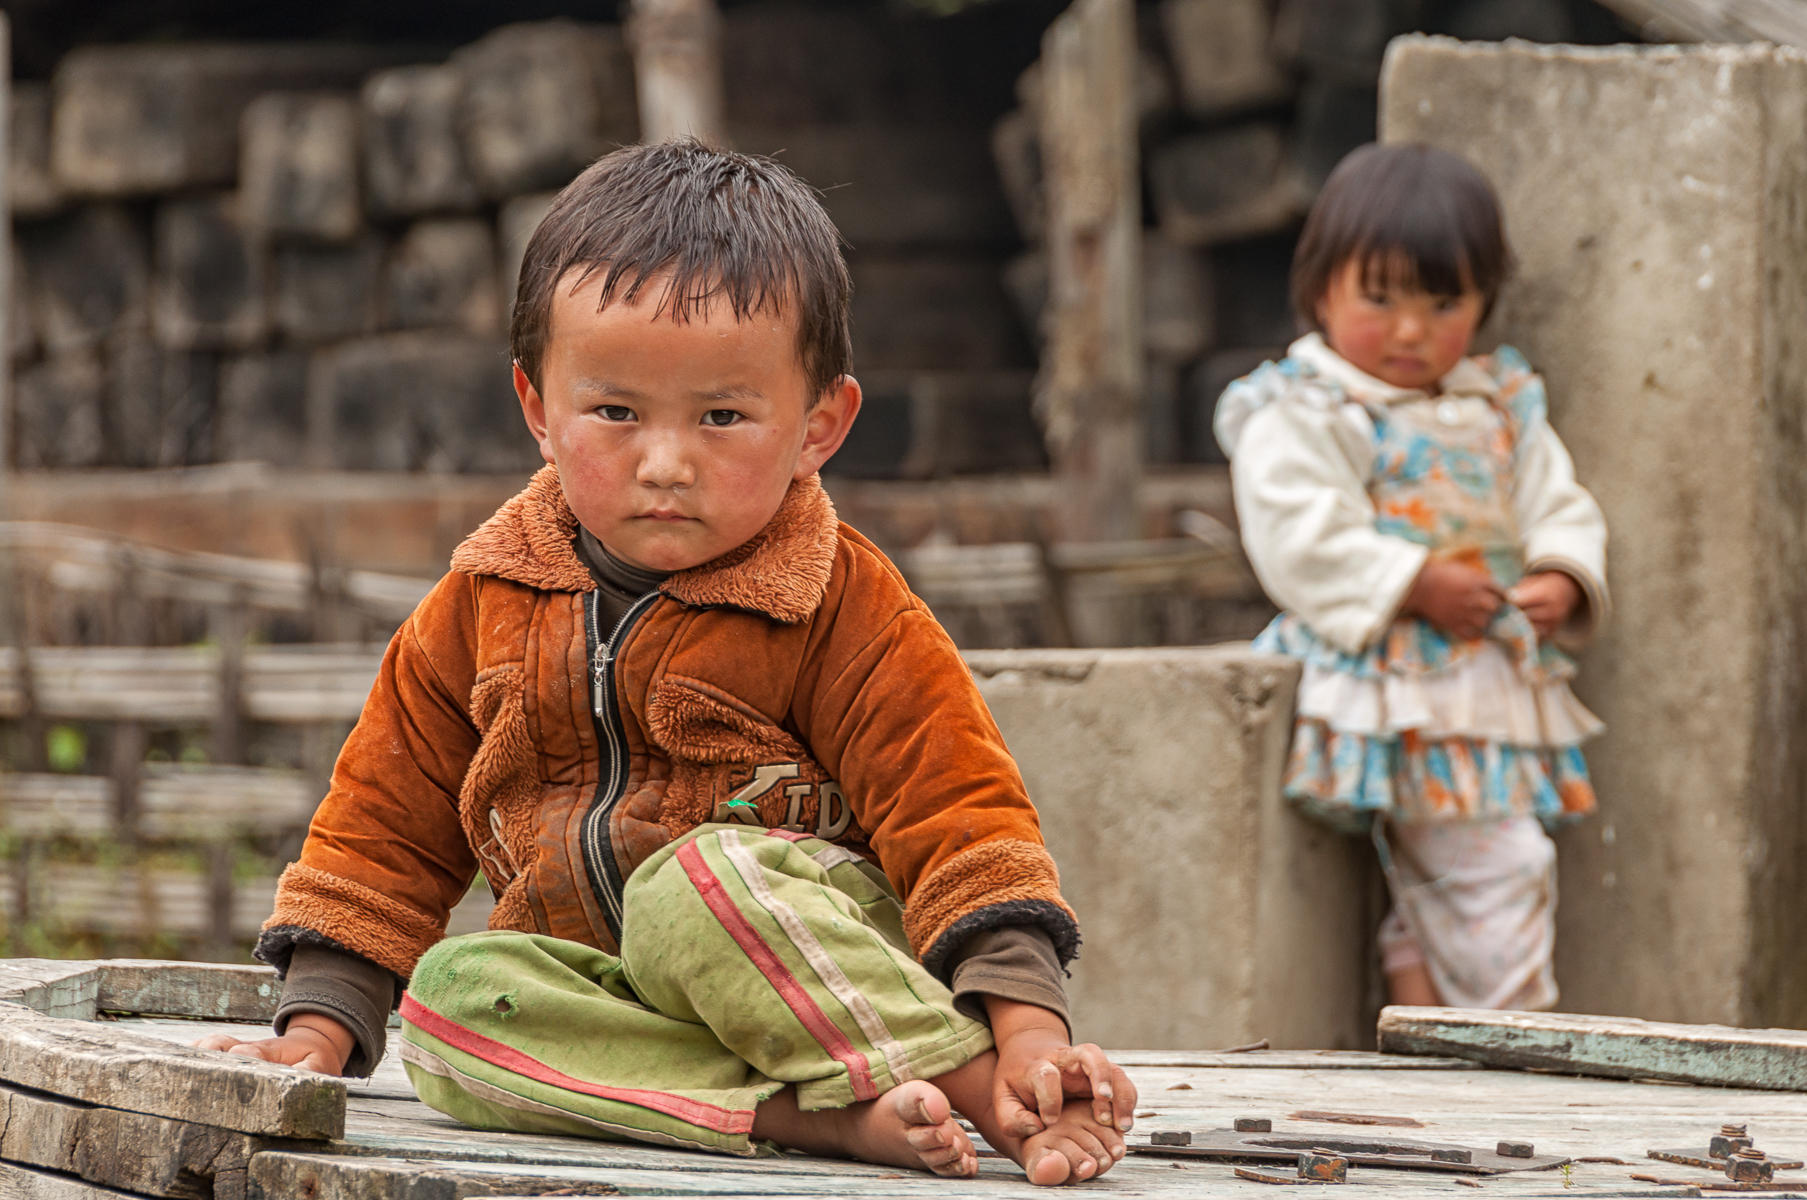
<point>1405,1153</point>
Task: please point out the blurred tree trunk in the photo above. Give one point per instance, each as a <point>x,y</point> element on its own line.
<point>678,69</point>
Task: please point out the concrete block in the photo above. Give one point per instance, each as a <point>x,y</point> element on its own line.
<point>413,159</point>
<point>57,418</point>
<point>896,186</point>
<point>1225,184</point>
<point>89,272</point>
<point>137,119</point>
<point>515,222</point>
<point>443,273</point>
<point>1655,201</point>
<point>1219,50</point>
<point>208,291</point>
<point>1213,915</point>
<point>939,313</point>
<point>540,100</point>
<point>416,402</point>
<point>1177,308</point>
<point>298,165</point>
<point>325,291</point>
<point>262,410</point>
<point>159,404</point>
<point>31,191</point>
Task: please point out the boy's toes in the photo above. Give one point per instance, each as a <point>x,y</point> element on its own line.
<point>1049,1168</point>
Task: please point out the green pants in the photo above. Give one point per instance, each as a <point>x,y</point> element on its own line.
<point>749,961</point>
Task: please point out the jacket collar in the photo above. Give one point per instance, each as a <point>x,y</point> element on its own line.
<point>1466,378</point>
<point>782,571</point>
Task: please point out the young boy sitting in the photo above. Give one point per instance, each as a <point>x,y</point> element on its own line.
<point>700,739</point>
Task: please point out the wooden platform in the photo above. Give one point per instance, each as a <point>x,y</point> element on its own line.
<point>102,1097</point>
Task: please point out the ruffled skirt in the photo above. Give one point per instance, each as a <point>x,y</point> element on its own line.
<point>1429,729</point>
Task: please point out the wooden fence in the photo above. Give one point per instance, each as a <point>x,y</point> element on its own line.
<point>168,720</point>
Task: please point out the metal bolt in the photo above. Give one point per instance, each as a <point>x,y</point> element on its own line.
<point>1170,1137</point>
<point>1326,1166</point>
<point>1749,1165</point>
<point>1452,1156</point>
<point>1254,1125</point>
<point>1515,1150</point>
<point>1728,1140</point>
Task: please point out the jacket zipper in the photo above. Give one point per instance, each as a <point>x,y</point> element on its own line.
<point>611,738</point>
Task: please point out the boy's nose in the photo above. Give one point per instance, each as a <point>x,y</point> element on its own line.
<point>663,464</point>
<point>1409,327</point>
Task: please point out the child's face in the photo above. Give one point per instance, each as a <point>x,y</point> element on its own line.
<point>675,442</point>
<point>1400,335</point>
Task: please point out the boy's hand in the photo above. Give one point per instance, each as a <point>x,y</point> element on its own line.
<point>313,1041</point>
<point>1038,1069</point>
<point>1455,597</point>
<point>1548,598</point>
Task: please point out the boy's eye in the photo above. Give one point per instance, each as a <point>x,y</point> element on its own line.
<point>616,412</point>
<point>1447,303</point>
<point>1378,298</point>
<point>721,418</point>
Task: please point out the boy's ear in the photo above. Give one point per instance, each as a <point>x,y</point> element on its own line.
<point>826,426</point>
<point>534,410</point>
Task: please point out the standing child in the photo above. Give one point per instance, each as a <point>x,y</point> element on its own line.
<point>1417,519</point>
<point>764,869</point>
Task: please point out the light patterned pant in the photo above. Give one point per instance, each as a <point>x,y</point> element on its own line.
<point>1475,902</point>
<point>749,961</point>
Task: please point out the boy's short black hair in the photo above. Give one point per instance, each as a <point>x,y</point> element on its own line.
<point>1412,215</point>
<point>702,223</point>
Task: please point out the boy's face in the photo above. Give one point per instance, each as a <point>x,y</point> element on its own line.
<point>675,442</point>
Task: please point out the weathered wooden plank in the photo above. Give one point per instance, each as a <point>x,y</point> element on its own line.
<point>1335,1060</point>
<point>215,991</point>
<point>201,802</point>
<point>136,901</point>
<point>151,1155</point>
<point>50,986</point>
<point>1616,1047</point>
<point>282,1173</point>
<point>180,685</point>
<point>23,1183</point>
<point>119,1068</point>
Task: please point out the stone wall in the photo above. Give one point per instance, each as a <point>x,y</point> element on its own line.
<point>1657,201</point>
<point>1246,106</point>
<point>306,253</point>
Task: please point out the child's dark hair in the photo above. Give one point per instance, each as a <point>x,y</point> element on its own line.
<point>701,223</point>
<point>1413,216</point>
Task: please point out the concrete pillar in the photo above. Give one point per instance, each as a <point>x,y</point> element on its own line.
<point>1213,916</point>
<point>1657,200</point>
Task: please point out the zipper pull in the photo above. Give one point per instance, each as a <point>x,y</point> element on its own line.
<point>598,672</point>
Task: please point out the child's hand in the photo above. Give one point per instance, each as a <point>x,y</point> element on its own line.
<point>313,1041</point>
<point>1456,598</point>
<point>1548,598</point>
<point>1038,1069</point>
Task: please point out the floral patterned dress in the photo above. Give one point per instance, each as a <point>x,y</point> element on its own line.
<point>1419,724</point>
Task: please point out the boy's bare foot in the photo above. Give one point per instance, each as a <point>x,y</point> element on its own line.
<point>1073,1149</point>
<point>912,1125</point>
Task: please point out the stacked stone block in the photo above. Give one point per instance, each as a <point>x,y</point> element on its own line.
<point>1246,106</point>
<point>292,253</point>
<point>308,255</point>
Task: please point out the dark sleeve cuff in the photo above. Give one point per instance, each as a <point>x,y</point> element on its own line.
<point>346,987</point>
<point>1017,962</point>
